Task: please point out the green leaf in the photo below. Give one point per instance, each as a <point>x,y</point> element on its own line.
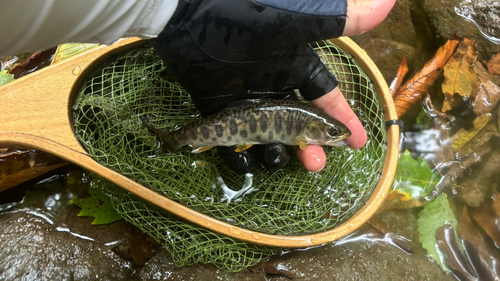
<point>434,215</point>
<point>98,206</point>
<point>5,77</point>
<point>414,178</point>
<point>423,118</point>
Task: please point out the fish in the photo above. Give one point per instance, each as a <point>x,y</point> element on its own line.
<point>257,122</point>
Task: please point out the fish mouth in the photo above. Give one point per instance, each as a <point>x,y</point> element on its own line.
<point>338,141</point>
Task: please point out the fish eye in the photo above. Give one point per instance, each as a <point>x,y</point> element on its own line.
<point>333,132</point>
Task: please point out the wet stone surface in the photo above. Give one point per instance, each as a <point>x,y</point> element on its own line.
<point>43,239</point>
<point>476,20</point>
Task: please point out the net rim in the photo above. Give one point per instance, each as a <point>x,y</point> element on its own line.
<point>68,150</point>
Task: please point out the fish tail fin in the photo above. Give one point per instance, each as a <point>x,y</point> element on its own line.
<point>166,137</point>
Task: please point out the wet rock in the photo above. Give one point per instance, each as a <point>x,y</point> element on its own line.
<point>476,20</point>
<point>394,38</point>
<point>387,54</point>
<point>33,249</point>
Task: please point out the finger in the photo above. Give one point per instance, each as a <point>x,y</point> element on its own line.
<point>363,15</point>
<point>313,157</point>
<point>335,104</point>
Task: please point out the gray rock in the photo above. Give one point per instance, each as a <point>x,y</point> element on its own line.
<point>477,20</point>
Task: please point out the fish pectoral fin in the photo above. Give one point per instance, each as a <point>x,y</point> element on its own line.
<point>241,147</point>
<point>200,149</point>
<point>302,142</point>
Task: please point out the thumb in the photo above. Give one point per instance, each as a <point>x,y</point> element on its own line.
<point>363,15</point>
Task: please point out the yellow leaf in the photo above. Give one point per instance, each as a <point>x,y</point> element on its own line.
<point>68,50</point>
<point>459,76</point>
<point>460,138</point>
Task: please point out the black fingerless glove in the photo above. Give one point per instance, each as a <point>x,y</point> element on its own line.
<point>223,51</point>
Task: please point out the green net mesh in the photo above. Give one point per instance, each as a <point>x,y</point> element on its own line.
<point>107,120</point>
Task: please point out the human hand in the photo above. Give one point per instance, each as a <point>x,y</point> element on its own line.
<point>224,51</point>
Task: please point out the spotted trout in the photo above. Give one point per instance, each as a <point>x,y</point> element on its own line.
<point>260,122</point>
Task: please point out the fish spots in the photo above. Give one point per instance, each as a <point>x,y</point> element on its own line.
<point>289,127</point>
<point>244,134</point>
<point>229,139</point>
<point>277,122</point>
<point>252,124</point>
<point>205,132</point>
<point>298,127</point>
<point>219,130</point>
<point>214,139</point>
<point>258,138</point>
<point>270,135</point>
<point>282,137</point>
<point>233,127</point>
<point>193,134</point>
<point>263,122</point>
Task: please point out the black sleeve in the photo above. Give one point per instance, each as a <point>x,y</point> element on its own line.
<point>224,50</point>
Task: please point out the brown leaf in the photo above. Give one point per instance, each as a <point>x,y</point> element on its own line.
<point>389,236</point>
<point>17,167</point>
<point>459,76</point>
<point>453,171</point>
<point>483,136</point>
<point>476,187</point>
<point>447,242</point>
<point>496,199</point>
<point>494,64</point>
<point>400,74</point>
<point>486,91</point>
<point>137,247</point>
<point>275,265</point>
<point>485,261</point>
<point>487,219</point>
<point>463,136</point>
<point>413,90</point>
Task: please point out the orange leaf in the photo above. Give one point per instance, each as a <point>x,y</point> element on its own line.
<point>413,90</point>
<point>494,64</point>
<point>400,74</point>
<point>459,76</point>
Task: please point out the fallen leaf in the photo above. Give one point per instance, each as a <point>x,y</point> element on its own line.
<point>494,64</point>
<point>483,136</point>
<point>414,179</point>
<point>459,76</point>
<point>18,166</point>
<point>487,91</point>
<point>463,136</point>
<point>5,77</point>
<point>487,219</point>
<point>390,237</point>
<point>275,265</point>
<point>68,50</point>
<point>475,188</point>
<point>98,205</point>
<point>35,62</point>
<point>434,215</point>
<point>496,199</point>
<point>485,261</point>
<point>137,247</point>
<point>397,204</point>
<point>413,90</point>
<point>454,170</point>
<point>400,75</point>
<point>447,242</point>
